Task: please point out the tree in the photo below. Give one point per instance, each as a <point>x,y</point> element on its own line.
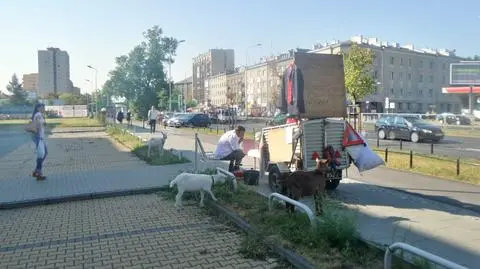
<point>140,76</point>
<point>191,103</point>
<point>73,98</point>
<point>359,80</point>
<point>474,58</point>
<point>18,94</point>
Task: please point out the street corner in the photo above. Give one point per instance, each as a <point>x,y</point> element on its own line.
<point>143,231</point>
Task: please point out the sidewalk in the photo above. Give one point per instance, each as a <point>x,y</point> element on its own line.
<point>80,164</point>
<point>386,215</point>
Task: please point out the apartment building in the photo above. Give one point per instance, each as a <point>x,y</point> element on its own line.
<point>29,82</point>
<point>216,86</point>
<point>185,86</point>
<point>236,87</point>
<point>210,63</point>
<point>411,78</point>
<point>53,72</point>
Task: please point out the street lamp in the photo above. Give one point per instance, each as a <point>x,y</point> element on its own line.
<point>170,80</point>
<point>246,64</point>
<point>96,88</point>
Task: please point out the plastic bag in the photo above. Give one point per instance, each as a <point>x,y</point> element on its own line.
<point>367,159</point>
<point>41,149</point>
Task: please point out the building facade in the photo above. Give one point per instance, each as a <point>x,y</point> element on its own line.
<point>185,86</point>
<point>236,87</point>
<point>210,63</point>
<point>29,82</point>
<point>53,72</point>
<point>410,78</point>
<point>217,88</point>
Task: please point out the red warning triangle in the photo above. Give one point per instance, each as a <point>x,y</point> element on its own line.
<point>351,137</point>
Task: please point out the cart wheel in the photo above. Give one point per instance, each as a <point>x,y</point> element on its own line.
<point>274,176</point>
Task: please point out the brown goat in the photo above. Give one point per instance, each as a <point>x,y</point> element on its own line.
<point>301,183</point>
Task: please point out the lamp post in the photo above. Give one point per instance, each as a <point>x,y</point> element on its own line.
<point>88,104</point>
<point>170,80</point>
<point>246,65</point>
<point>96,88</point>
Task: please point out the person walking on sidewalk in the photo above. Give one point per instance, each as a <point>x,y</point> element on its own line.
<point>129,118</point>
<point>152,117</point>
<point>228,147</point>
<point>38,120</point>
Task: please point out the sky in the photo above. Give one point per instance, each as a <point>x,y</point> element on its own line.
<point>95,32</point>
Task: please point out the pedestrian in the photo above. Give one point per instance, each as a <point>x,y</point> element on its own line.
<point>38,120</point>
<point>129,118</point>
<point>120,116</point>
<point>152,116</point>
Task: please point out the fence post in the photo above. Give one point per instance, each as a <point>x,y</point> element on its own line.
<point>378,141</point>
<point>411,159</point>
<point>196,153</point>
<point>217,129</point>
<point>401,144</point>
<point>458,166</point>
<point>386,154</point>
<point>431,148</point>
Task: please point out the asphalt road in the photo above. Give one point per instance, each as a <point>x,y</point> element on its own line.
<point>454,147</point>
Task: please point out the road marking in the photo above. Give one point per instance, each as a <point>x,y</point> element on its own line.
<point>470,149</point>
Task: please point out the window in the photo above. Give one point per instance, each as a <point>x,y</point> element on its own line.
<point>431,65</point>
<point>409,106</point>
<point>409,76</point>
<point>421,63</point>
<point>392,91</point>
<point>421,78</point>
<point>420,107</point>
<point>401,75</point>
<point>420,92</point>
<point>409,62</point>
<point>401,61</point>
<point>430,92</point>
<point>444,66</point>
<point>392,76</point>
<point>392,60</point>
<point>401,92</point>
<point>431,79</point>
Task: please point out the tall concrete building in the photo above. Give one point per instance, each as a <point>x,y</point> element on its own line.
<point>411,78</point>
<point>210,63</point>
<point>30,81</point>
<point>53,72</point>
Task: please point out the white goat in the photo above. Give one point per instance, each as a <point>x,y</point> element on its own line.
<point>157,142</point>
<point>196,182</point>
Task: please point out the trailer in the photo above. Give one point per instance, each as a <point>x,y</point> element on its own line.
<point>284,147</point>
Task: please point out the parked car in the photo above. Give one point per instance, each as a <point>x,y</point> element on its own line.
<point>190,120</point>
<point>279,119</point>
<point>167,117</point>
<point>450,118</point>
<point>407,128</point>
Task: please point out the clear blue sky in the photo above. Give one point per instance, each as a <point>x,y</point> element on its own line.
<point>95,32</point>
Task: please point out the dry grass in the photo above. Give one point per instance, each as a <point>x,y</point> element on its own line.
<point>433,166</point>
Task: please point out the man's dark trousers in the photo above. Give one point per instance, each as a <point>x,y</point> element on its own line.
<point>235,159</point>
<point>153,125</point>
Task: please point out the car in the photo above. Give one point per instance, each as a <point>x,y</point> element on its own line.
<point>409,128</point>
<point>190,120</point>
<point>279,119</point>
<point>168,116</point>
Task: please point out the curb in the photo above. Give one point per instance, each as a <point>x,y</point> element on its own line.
<point>79,197</point>
<point>296,260</point>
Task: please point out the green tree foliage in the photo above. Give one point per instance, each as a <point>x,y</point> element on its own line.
<point>73,98</point>
<point>140,76</point>
<point>359,80</point>
<point>18,94</point>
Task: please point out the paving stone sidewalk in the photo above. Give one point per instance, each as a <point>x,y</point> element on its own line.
<point>142,231</point>
<point>81,163</point>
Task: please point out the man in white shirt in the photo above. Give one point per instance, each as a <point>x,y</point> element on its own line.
<point>228,147</point>
<point>152,117</point>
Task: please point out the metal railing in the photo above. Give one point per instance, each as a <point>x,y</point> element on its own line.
<point>232,177</point>
<point>304,207</point>
<point>419,252</point>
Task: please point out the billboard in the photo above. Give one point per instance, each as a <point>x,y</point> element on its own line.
<point>465,73</point>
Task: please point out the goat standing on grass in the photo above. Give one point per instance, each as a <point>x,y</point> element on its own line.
<point>301,183</point>
<point>196,182</point>
<point>155,142</point>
